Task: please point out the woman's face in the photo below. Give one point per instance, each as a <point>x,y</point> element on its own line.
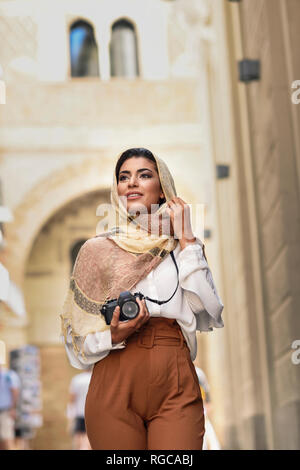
<point>139,175</point>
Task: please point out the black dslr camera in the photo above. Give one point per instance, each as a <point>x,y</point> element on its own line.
<point>129,308</point>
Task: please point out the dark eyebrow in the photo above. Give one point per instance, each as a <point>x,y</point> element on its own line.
<point>138,171</point>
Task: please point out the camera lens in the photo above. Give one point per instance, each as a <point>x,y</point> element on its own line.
<point>130,309</point>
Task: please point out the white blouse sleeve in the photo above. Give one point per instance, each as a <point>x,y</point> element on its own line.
<point>96,347</point>
<point>199,288</point>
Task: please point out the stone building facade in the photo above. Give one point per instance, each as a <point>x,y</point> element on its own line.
<point>59,135</point>
<point>256,129</point>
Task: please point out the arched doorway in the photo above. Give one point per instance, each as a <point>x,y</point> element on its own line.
<point>47,274</point>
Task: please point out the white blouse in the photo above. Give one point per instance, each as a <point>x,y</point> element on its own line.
<point>196,304</point>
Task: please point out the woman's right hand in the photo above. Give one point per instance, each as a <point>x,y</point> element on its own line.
<point>120,330</point>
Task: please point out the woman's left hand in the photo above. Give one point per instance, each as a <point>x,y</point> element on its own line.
<point>179,212</point>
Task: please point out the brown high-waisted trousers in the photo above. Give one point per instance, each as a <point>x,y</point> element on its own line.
<point>146,396</point>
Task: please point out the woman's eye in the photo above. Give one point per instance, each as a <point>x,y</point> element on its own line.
<point>144,174</point>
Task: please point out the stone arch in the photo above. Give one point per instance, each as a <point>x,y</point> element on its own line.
<point>127,18</point>
<point>48,196</point>
<point>44,200</point>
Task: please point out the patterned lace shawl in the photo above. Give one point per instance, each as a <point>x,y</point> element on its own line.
<point>115,261</point>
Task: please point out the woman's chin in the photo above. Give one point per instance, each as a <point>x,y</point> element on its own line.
<point>135,206</point>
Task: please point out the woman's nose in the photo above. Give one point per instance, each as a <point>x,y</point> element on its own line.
<point>132,181</point>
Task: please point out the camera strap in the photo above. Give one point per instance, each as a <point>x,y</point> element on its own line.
<point>159,302</point>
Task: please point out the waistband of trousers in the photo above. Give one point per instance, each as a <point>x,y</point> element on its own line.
<point>158,331</point>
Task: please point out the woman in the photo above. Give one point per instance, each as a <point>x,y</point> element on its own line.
<point>144,391</point>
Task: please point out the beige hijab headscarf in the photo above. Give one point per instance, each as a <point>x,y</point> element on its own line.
<point>144,232</point>
<point>115,260</point>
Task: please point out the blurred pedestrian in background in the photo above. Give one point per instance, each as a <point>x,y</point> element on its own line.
<point>78,390</point>
<point>9,394</point>
<point>210,441</point>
